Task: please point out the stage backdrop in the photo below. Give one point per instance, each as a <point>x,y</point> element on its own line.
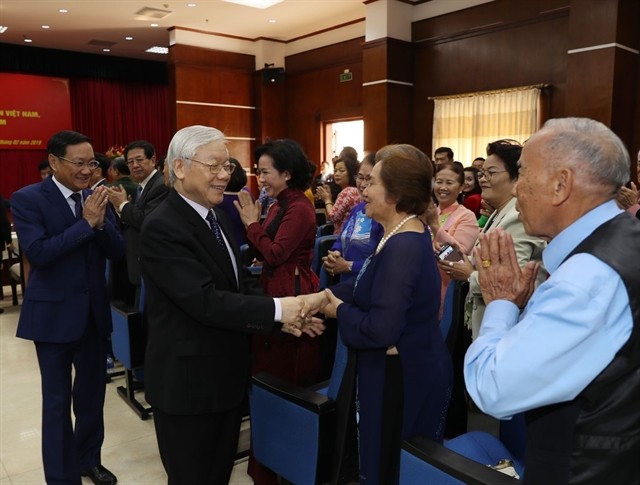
<point>31,109</point>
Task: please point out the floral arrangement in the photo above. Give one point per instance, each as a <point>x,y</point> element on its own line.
<point>115,151</point>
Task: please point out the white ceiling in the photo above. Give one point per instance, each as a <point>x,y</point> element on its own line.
<point>90,22</point>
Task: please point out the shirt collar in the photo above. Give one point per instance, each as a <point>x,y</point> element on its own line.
<point>201,210</point>
<point>144,183</point>
<point>66,192</point>
<point>565,242</point>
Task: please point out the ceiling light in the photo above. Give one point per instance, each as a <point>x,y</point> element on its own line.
<point>45,27</point>
<point>154,25</point>
<point>63,10</point>
<point>191,5</point>
<point>27,39</point>
<point>106,50</point>
<point>158,50</point>
<point>272,21</point>
<point>3,29</point>
<point>128,37</point>
<point>255,3</point>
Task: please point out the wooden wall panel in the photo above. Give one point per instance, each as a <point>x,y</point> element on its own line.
<point>515,51</point>
<point>199,84</point>
<point>314,93</point>
<point>232,122</point>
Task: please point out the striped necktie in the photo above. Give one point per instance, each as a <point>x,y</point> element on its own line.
<point>217,232</point>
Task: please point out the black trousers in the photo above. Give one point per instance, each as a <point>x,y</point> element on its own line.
<point>198,449</point>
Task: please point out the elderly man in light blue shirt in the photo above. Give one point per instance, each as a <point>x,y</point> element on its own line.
<point>571,356</point>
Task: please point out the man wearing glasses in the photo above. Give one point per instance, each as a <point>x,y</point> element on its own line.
<point>141,160</point>
<point>67,232</point>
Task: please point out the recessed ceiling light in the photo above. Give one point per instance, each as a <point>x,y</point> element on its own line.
<point>255,3</point>
<point>158,50</point>
<point>106,50</point>
<point>27,40</point>
<point>191,5</point>
<point>154,25</point>
<point>63,10</point>
<point>3,29</point>
<point>128,37</point>
<point>272,21</point>
<point>45,27</point>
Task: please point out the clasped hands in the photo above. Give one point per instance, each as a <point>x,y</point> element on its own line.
<point>298,312</point>
<point>499,274</point>
<point>334,263</point>
<point>95,206</point>
<point>248,209</point>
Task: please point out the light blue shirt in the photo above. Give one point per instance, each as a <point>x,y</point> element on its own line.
<point>570,330</point>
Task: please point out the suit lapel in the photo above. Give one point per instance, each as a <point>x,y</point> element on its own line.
<point>57,200</point>
<point>202,232</point>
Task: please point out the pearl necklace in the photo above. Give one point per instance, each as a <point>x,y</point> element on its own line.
<point>384,240</point>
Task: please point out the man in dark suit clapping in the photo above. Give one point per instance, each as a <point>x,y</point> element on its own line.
<point>141,160</point>
<point>67,233</point>
<point>201,305</point>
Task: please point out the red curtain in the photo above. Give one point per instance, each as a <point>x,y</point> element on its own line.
<point>110,113</point>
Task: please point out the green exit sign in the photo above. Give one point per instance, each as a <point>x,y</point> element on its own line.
<point>346,76</point>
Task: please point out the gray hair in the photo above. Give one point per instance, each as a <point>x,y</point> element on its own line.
<point>592,142</point>
<point>186,142</point>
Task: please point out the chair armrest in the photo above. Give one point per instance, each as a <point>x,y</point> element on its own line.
<point>454,464</point>
<point>303,397</point>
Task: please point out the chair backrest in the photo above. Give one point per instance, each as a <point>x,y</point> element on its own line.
<point>321,249</point>
<point>324,229</point>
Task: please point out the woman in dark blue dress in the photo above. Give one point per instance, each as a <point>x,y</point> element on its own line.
<point>389,315</point>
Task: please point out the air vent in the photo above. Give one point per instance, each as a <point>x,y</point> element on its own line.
<point>101,43</point>
<point>153,13</point>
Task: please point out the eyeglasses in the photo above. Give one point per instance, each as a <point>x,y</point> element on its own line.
<point>91,164</point>
<point>215,168</point>
<point>489,173</point>
<point>366,181</point>
<point>133,161</point>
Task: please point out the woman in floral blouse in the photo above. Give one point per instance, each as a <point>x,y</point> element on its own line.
<point>345,171</point>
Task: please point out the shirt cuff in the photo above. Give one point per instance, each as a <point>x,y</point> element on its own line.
<point>499,315</point>
<point>278,310</point>
<point>122,205</point>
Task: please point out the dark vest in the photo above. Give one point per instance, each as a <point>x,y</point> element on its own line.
<point>595,439</point>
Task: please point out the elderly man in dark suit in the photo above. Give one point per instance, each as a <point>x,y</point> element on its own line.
<point>141,159</point>
<point>67,233</point>
<point>201,306</point>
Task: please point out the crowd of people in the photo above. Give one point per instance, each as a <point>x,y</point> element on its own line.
<point>545,233</point>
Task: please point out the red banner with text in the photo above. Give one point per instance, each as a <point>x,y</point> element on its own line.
<point>32,108</point>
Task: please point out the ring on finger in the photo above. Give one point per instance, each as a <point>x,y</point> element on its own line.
<point>486,263</point>
<point>451,264</point>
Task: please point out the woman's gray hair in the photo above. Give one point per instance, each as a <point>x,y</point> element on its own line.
<point>594,143</point>
<point>186,142</point>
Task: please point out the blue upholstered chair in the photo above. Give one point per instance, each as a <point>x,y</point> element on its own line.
<point>321,248</point>
<point>307,436</point>
<point>464,459</point>
<point>324,230</point>
<point>128,341</point>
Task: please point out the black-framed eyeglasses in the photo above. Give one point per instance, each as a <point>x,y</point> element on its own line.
<point>215,168</point>
<point>91,164</point>
<point>489,173</point>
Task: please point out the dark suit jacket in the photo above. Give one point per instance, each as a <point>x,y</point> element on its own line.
<point>197,357</point>
<point>133,215</point>
<point>68,258</point>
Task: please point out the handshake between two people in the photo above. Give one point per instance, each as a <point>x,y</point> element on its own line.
<point>298,312</point>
